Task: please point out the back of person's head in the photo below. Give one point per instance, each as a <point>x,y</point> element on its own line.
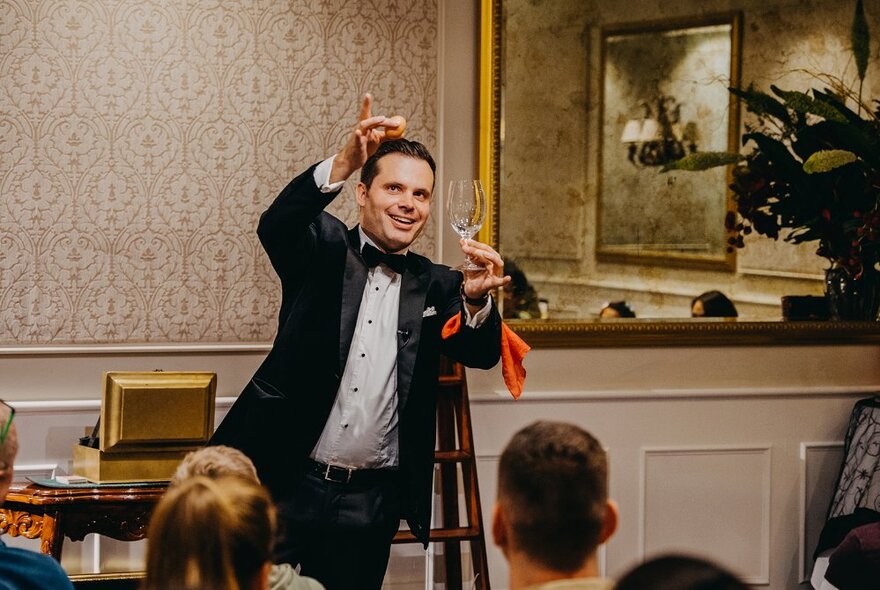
<point>215,461</point>
<point>553,506</point>
<point>616,309</point>
<point>714,304</point>
<point>679,572</point>
<point>519,284</point>
<point>405,147</point>
<point>8,449</point>
<point>211,533</point>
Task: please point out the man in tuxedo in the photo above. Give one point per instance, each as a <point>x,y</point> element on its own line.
<point>340,417</point>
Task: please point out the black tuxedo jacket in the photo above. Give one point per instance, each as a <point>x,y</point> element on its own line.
<point>281,413</point>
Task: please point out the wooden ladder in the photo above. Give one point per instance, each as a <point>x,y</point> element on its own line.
<point>455,445</point>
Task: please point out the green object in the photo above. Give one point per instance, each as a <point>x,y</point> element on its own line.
<point>51,482</point>
<point>861,40</point>
<point>828,160</point>
<point>702,161</point>
<point>5,432</point>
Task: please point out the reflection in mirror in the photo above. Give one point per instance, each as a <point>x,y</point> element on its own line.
<point>664,95</point>
<point>544,143</point>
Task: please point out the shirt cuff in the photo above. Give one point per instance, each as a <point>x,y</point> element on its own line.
<point>322,176</point>
<point>479,318</point>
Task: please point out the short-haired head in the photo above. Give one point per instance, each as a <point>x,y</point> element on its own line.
<point>679,572</point>
<point>552,489</point>
<point>210,533</point>
<point>713,304</point>
<point>215,461</point>
<point>616,309</point>
<point>406,147</point>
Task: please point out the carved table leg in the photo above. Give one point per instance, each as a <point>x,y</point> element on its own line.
<point>53,535</point>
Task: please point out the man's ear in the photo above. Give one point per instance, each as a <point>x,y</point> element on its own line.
<point>361,192</point>
<point>610,523</point>
<point>500,533</point>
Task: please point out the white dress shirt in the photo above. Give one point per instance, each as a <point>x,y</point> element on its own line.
<point>362,429</point>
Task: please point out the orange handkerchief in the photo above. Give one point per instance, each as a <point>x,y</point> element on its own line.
<point>513,351</point>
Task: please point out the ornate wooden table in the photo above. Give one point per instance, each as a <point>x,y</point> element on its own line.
<point>51,514</point>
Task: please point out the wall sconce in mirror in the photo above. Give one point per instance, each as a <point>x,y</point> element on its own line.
<point>659,136</point>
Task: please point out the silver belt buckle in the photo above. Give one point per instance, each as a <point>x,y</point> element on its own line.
<point>334,469</point>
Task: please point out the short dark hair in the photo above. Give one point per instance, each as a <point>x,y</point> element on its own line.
<point>715,305</point>
<point>621,307</point>
<point>552,485</point>
<point>679,572</point>
<point>412,149</point>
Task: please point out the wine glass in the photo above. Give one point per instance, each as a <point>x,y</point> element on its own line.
<point>466,210</point>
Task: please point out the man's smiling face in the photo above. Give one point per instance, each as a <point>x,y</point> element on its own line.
<point>395,207</point>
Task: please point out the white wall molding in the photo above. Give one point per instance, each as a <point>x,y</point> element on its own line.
<point>21,471</point>
<point>140,349</point>
<point>761,574</point>
<point>807,449</point>
<point>503,396</point>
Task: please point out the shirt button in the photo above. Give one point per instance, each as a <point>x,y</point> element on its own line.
<point>377,288</point>
<point>363,355</point>
<point>345,425</point>
<point>369,321</point>
<point>355,388</point>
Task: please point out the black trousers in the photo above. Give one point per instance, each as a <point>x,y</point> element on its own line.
<point>340,533</point>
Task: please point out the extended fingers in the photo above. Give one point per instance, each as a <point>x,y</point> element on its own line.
<point>366,107</point>
<point>484,252</point>
<point>371,123</point>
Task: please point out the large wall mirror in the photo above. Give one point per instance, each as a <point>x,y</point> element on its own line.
<point>572,95</point>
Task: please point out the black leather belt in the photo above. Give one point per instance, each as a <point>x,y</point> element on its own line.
<point>346,475</point>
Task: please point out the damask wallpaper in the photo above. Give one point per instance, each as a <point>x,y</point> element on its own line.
<point>140,141</point>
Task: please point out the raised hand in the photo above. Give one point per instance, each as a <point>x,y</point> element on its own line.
<point>362,143</point>
<point>477,284</point>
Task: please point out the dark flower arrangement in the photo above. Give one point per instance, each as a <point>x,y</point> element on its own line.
<point>814,169</point>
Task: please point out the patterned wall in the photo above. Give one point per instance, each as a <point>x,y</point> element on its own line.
<point>140,141</point>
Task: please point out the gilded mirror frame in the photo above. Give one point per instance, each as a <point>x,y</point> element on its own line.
<point>622,333</point>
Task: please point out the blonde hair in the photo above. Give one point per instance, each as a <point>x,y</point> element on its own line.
<point>210,534</point>
<point>213,462</point>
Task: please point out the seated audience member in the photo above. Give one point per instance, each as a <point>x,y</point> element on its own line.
<point>553,511</point>
<point>520,298</point>
<point>21,569</point>
<point>616,309</point>
<point>218,461</point>
<point>679,572</point>
<point>712,304</point>
<point>211,533</point>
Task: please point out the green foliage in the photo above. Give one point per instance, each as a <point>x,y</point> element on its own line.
<point>702,161</point>
<point>813,171</point>
<point>828,160</point>
<point>803,103</point>
<point>861,40</point>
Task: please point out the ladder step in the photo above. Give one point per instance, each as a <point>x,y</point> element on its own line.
<point>451,456</point>
<point>454,534</point>
<point>450,380</point>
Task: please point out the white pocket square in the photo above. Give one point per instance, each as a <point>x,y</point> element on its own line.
<point>429,312</point>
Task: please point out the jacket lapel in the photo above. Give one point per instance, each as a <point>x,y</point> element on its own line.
<point>413,291</point>
<point>353,283</point>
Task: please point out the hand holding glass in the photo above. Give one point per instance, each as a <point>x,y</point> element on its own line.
<point>466,210</point>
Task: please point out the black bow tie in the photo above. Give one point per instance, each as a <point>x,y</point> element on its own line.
<point>372,256</point>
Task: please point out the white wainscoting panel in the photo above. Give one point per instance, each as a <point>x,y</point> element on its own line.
<point>820,466</point>
<point>709,501</point>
